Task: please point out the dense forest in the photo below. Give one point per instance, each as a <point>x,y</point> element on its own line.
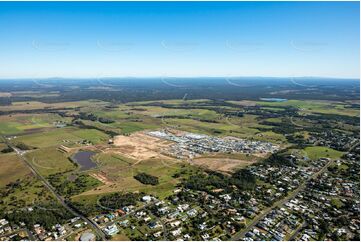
<point>211,180</point>
<point>147,89</point>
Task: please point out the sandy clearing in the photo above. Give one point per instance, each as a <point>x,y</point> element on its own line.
<point>139,146</point>
<point>221,164</point>
<point>245,103</point>
<point>101,178</point>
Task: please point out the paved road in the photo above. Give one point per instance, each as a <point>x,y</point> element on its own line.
<point>293,236</point>
<point>241,234</point>
<point>21,153</point>
<point>353,146</point>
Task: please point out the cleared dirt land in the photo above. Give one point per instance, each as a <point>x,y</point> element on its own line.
<point>222,164</point>
<point>140,146</point>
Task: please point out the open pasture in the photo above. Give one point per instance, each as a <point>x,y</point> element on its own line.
<point>124,122</point>
<point>68,136</point>
<point>112,166</point>
<point>19,123</point>
<point>157,111</point>
<point>29,192</point>
<point>240,127</point>
<point>122,177</point>
<point>317,152</point>
<point>308,106</point>
<point>131,126</point>
<point>50,160</point>
<point>30,105</point>
<point>12,169</point>
<point>35,94</point>
<point>170,101</point>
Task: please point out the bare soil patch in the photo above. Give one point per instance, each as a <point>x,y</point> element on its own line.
<point>245,103</point>
<point>101,177</point>
<point>222,164</point>
<point>139,146</point>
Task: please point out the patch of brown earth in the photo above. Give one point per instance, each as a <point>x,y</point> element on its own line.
<point>140,146</point>
<point>101,177</point>
<point>221,164</point>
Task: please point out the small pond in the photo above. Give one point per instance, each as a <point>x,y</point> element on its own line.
<point>83,158</point>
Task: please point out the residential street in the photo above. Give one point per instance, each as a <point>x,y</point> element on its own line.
<point>241,234</point>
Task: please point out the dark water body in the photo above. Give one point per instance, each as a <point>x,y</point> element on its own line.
<point>83,158</point>
<point>273,99</point>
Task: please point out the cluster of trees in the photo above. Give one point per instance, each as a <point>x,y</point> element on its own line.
<point>119,200</point>
<point>234,114</point>
<point>352,120</point>
<point>280,159</point>
<point>44,217</point>
<point>7,150</point>
<point>9,189</point>
<point>207,181</point>
<point>147,179</point>
<point>210,180</point>
<point>80,124</point>
<point>264,113</point>
<point>243,179</point>
<point>279,128</point>
<point>84,208</point>
<point>189,117</point>
<point>93,117</point>
<point>105,120</point>
<point>86,116</point>
<point>69,188</point>
<point>23,146</point>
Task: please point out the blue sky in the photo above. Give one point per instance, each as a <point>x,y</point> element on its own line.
<point>77,39</point>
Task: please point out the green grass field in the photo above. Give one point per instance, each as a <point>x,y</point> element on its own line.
<point>49,161</point>
<point>324,107</point>
<point>63,136</point>
<point>244,127</point>
<point>78,184</point>
<point>114,160</point>
<point>16,124</point>
<point>122,171</point>
<point>12,169</point>
<point>317,152</point>
<point>31,192</point>
<point>30,105</point>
